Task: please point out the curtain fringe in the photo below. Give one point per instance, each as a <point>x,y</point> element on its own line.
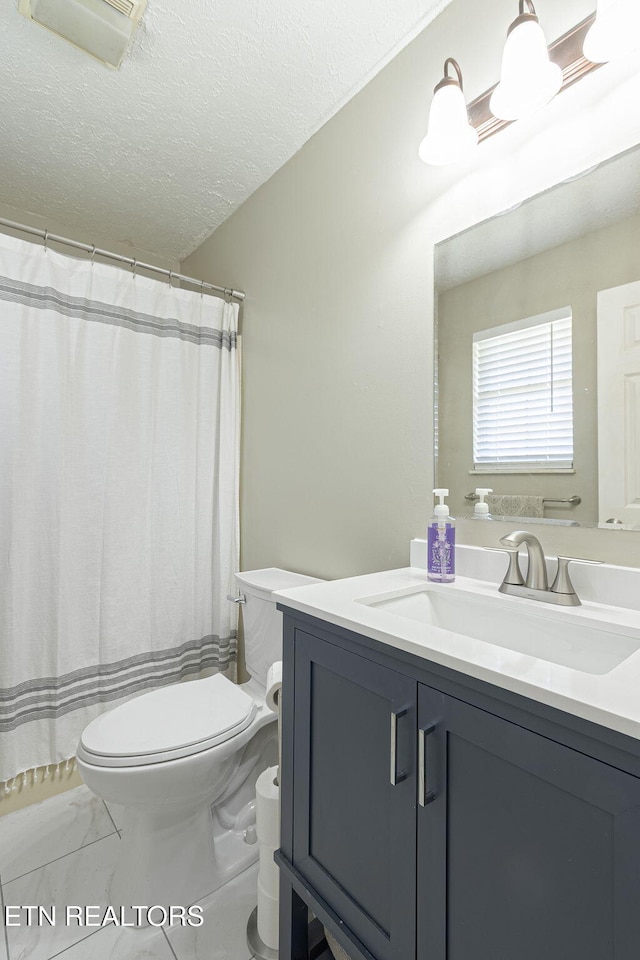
<point>30,778</point>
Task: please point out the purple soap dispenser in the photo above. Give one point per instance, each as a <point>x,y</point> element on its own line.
<point>441,542</point>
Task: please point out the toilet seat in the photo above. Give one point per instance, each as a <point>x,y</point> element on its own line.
<point>169,723</point>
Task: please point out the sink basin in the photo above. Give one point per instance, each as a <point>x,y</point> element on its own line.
<point>580,638</point>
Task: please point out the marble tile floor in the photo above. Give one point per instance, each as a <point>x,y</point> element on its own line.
<point>61,853</point>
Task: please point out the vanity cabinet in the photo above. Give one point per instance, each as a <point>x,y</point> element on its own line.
<point>354,793</point>
<point>425,818</point>
<point>529,849</point>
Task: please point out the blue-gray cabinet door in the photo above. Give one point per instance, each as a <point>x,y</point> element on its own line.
<point>526,849</point>
<point>354,836</point>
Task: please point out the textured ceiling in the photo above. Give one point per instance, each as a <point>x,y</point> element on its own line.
<point>213,98</point>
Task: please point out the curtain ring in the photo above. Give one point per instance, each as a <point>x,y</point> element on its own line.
<point>134,268</point>
<point>93,254</point>
<point>46,240</point>
<point>202,288</point>
<point>170,278</point>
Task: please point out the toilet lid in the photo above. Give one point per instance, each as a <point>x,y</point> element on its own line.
<point>174,721</point>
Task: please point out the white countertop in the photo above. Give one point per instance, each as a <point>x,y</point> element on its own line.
<point>611,699</point>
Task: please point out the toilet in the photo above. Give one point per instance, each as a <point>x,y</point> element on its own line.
<point>183,761</point>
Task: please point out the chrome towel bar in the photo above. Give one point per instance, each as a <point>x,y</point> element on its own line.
<point>573,501</point>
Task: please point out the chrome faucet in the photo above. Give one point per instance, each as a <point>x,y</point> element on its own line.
<point>536,585</point>
<point>537,567</point>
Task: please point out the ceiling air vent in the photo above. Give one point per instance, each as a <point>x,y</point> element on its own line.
<point>123,6</point>
<point>102,28</point>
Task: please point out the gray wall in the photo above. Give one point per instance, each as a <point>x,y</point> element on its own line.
<point>336,255</point>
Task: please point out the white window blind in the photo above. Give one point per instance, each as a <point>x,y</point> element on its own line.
<point>522,395</point>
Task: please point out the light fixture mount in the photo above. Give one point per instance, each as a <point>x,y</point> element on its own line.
<point>447,80</point>
<point>524,17</point>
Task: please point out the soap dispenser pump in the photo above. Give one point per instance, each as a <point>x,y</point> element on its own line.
<point>481,509</point>
<point>441,542</point>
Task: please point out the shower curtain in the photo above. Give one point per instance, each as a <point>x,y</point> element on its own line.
<point>119,425</point>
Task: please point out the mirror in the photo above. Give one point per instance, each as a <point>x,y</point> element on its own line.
<point>562,248</point>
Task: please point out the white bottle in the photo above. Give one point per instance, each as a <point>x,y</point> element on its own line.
<point>481,509</point>
<point>441,542</point>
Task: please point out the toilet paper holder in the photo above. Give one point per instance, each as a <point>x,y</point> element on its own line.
<point>273,698</point>
<point>260,949</point>
<point>277,697</point>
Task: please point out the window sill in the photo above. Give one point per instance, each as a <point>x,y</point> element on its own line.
<point>521,471</point>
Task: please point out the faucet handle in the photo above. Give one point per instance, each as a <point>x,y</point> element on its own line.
<point>562,582</point>
<point>514,573</point>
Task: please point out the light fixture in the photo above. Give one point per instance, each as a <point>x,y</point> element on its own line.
<point>102,28</point>
<point>616,30</point>
<point>530,69</point>
<point>449,133</point>
<point>529,79</point>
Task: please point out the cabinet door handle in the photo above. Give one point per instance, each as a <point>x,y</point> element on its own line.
<point>394,776</point>
<point>425,796</point>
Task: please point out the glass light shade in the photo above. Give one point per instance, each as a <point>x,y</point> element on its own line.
<point>449,134</point>
<point>529,80</point>
<point>616,31</point>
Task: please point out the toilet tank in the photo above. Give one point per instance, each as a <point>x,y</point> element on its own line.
<point>262,622</point>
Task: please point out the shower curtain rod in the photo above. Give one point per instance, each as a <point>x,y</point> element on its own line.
<point>132,262</point>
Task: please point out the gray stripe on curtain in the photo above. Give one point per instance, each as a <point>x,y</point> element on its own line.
<point>46,298</point>
<point>49,697</point>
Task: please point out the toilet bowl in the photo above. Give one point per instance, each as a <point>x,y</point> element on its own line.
<point>183,761</point>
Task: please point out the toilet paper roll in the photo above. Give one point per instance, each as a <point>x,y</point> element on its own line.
<point>274,685</point>
<point>268,809</point>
